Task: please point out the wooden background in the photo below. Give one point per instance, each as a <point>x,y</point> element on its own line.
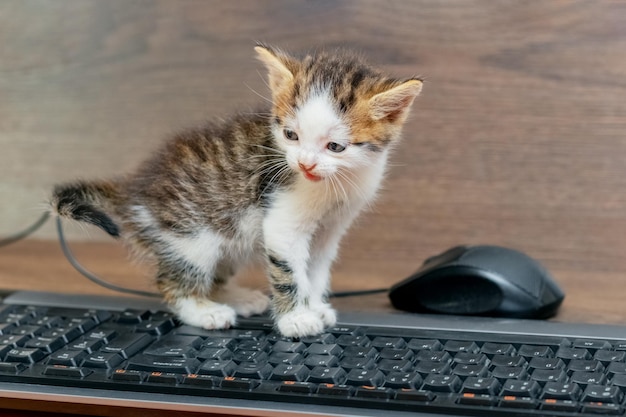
<point>519,138</point>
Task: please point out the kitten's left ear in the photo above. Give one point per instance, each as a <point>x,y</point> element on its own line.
<point>279,65</point>
<point>394,103</point>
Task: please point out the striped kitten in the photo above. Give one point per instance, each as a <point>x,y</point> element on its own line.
<point>282,185</point>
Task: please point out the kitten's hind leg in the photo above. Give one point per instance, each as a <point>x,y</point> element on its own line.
<point>245,301</point>
<point>186,288</point>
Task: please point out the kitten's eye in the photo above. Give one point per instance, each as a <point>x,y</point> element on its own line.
<point>335,147</point>
<point>290,134</point>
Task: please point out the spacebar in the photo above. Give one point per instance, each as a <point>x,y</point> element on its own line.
<point>156,364</point>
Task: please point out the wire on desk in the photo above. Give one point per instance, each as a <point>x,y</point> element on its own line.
<point>97,280</point>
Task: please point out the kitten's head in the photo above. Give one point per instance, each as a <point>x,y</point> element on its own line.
<point>333,112</point>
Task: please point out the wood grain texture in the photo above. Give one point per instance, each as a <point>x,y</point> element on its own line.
<point>519,138</point>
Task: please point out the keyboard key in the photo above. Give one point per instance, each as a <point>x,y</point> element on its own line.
<point>591,344</point>
<point>470,370</point>
<point>218,368</point>
<point>491,349</point>
<point>586,378</point>
<point>174,346</point>
<point>409,380</point>
<point>509,372</point>
<point>256,356</point>
<point>324,349</point>
<point>298,387</point>
<point>442,383</point>
<point>394,365</point>
<point>469,398</point>
<point>370,377</point>
<point>546,363</point>
<point>128,375</point>
<point>602,393</point>
<point>585,365</point>
<point>424,344</point>
<point>217,342</point>
<point>171,365</point>
<point>25,355</point>
<point>382,342</point>
<point>12,368</point>
<point>470,358</point>
<point>357,362</point>
<point>569,353</point>
<point>127,344</point>
<point>396,354</point>
<point>360,352</point>
<point>529,351</point>
<point>331,375</point>
<point>166,378</point>
<point>433,356</point>
<point>335,390</point>
<point>132,316</point>
<point>102,360</point>
<point>253,370</point>
<point>430,367</point>
<point>289,347</point>
<point>353,340</point>
<point>155,328</point>
<point>284,372</point>
<point>602,408</point>
<point>606,357</point>
<point>415,395</point>
<point>213,354</point>
<point>616,368</point>
<point>559,405</point>
<point>239,383</point>
<point>516,388</point>
<point>67,357</point>
<point>489,386</point>
<point>381,393</point>
<point>561,391</point>
<point>88,345</point>
<point>315,360</point>
<point>548,375</point>
<point>203,381</point>
<point>501,360</point>
<point>324,339</point>
<point>68,334</point>
<point>46,344</point>
<point>67,371</point>
<point>511,401</point>
<point>461,346</point>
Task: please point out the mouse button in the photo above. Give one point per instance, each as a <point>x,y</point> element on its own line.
<point>517,268</point>
<point>458,290</point>
<point>450,255</point>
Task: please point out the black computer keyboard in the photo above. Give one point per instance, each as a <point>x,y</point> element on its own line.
<point>132,351</point>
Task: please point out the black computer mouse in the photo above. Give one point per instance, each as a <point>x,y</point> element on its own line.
<point>480,280</point>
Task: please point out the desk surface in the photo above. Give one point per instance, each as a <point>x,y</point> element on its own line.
<point>40,265</point>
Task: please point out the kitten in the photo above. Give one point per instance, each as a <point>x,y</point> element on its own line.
<point>282,185</point>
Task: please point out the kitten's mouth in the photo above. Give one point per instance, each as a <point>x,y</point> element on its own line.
<point>311,177</point>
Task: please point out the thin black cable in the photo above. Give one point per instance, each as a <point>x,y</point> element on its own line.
<point>24,233</point>
<point>342,294</point>
<point>91,277</point>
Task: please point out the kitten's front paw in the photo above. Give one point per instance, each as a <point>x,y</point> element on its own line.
<point>327,314</point>
<point>205,313</point>
<point>299,323</point>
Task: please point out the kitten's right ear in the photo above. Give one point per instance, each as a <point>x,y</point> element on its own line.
<point>279,65</point>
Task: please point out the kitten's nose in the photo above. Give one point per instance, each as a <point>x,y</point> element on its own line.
<point>306,168</point>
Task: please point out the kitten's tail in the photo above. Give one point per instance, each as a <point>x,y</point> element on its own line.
<point>89,202</point>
